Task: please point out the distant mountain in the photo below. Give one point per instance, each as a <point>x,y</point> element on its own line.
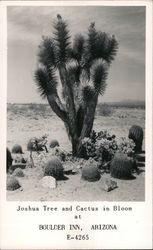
<point>127,103</point>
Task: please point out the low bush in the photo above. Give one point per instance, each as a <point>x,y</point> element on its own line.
<point>104,110</point>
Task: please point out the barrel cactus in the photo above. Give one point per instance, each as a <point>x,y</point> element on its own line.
<point>18,172</point>
<point>54,168</point>
<point>90,172</point>
<point>121,167</point>
<point>17,149</point>
<point>136,134</point>
<point>54,143</point>
<point>8,160</point>
<point>13,184</point>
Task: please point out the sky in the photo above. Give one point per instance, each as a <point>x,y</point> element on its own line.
<point>26,25</point>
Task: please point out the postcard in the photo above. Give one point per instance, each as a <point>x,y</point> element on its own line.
<point>76,124</point>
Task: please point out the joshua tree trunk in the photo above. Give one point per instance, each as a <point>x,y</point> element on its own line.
<point>75,146</point>
<point>86,127</point>
<point>89,116</point>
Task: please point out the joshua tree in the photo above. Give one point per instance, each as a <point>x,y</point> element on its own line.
<point>72,75</point>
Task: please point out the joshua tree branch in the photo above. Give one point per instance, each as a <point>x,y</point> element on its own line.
<point>54,104</point>
<point>69,97</point>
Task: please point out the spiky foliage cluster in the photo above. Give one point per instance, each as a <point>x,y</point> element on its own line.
<point>54,168</point>
<point>54,143</point>
<point>17,149</point>
<point>82,67</point>
<point>90,172</point>
<point>13,184</point>
<point>121,167</point>
<point>136,134</point>
<point>18,172</point>
<point>8,160</point>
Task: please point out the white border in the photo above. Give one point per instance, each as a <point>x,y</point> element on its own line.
<point>142,211</point>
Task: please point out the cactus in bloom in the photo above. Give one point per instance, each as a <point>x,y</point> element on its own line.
<point>136,134</point>
<point>90,172</point>
<point>17,149</point>
<point>54,168</point>
<point>13,184</point>
<point>121,167</point>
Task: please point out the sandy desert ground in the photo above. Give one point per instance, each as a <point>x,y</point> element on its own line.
<point>27,121</point>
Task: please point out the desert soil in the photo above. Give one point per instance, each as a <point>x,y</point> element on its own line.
<point>24,123</point>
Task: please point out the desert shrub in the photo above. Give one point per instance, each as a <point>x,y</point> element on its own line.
<point>126,146</point>
<point>101,146</point>
<point>13,184</point>
<point>37,144</point>
<point>136,134</point>
<point>32,106</point>
<point>54,168</point>
<point>121,167</point>
<point>8,160</point>
<point>90,172</point>
<point>17,149</point>
<point>33,145</point>
<point>18,172</point>
<point>105,110</point>
<point>54,143</point>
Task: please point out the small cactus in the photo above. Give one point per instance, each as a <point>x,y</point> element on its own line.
<point>17,149</point>
<point>54,168</point>
<point>121,167</point>
<point>18,172</point>
<point>54,143</point>
<point>90,172</point>
<point>8,160</point>
<point>136,134</point>
<point>13,184</point>
<point>33,145</point>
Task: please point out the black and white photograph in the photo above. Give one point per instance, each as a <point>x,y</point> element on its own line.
<point>76,124</point>
<point>76,103</point>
